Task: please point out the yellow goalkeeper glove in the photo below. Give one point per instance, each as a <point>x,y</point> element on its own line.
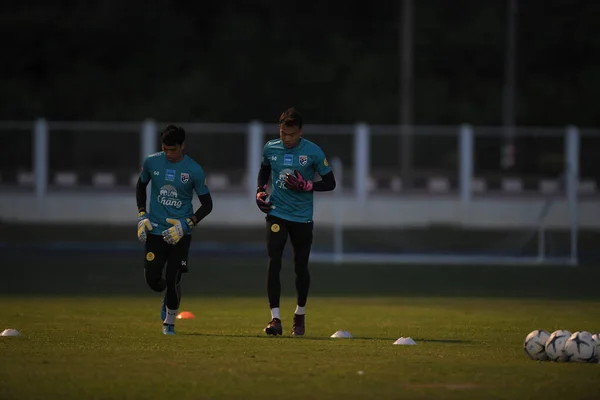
<point>143,226</point>
<point>180,228</point>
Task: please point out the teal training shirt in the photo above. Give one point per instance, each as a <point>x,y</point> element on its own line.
<point>308,159</point>
<point>172,188</point>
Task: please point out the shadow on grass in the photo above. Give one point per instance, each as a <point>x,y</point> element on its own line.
<point>448,341</point>
<point>287,337</point>
<point>254,336</point>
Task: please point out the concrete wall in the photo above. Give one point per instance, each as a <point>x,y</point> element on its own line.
<point>240,210</point>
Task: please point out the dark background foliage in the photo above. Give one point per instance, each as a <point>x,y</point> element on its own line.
<point>234,61</point>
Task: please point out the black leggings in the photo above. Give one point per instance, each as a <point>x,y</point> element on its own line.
<point>159,253</point>
<point>301,235</point>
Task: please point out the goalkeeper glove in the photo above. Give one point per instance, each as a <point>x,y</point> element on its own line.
<point>143,226</point>
<point>180,228</point>
<point>297,182</point>
<point>261,199</point>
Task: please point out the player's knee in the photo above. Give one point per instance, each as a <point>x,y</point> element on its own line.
<point>301,269</point>
<point>156,286</point>
<point>301,259</point>
<point>274,264</point>
<point>155,282</point>
<point>275,253</point>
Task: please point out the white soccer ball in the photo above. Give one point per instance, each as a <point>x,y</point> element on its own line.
<point>555,345</point>
<point>535,344</point>
<point>581,347</point>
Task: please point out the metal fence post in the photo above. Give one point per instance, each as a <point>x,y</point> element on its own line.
<point>465,152</point>
<point>254,155</point>
<point>572,186</point>
<point>148,145</point>
<point>148,140</point>
<point>362,152</point>
<point>40,158</point>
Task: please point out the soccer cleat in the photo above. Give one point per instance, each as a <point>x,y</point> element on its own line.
<point>274,327</point>
<point>163,309</point>
<point>168,329</point>
<point>298,326</point>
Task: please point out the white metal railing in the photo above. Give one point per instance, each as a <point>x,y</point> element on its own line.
<point>256,132</point>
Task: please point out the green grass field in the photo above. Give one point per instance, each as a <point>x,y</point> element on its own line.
<point>90,329</point>
<point>112,347</point>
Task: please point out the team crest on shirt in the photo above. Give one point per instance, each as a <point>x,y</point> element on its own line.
<point>303,160</point>
<point>185,177</point>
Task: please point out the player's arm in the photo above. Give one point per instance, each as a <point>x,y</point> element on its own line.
<point>261,184</point>
<point>140,194</point>
<point>206,206</point>
<point>263,175</point>
<point>326,184</point>
<point>206,202</point>
<point>143,225</point>
<point>184,226</point>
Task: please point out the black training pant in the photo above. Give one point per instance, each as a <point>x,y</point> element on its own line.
<point>159,253</point>
<point>301,235</point>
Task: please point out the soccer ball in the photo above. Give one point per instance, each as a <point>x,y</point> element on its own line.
<point>580,347</point>
<point>535,343</point>
<point>555,345</point>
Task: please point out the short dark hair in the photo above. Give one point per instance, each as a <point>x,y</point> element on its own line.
<point>173,135</point>
<point>291,117</point>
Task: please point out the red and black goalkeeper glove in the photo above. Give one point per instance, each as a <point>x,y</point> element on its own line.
<point>297,182</point>
<point>261,199</point>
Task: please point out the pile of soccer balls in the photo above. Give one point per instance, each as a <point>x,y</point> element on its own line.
<point>562,345</point>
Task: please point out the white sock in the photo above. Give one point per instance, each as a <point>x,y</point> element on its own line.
<point>300,310</point>
<point>171,315</point>
<point>275,312</point>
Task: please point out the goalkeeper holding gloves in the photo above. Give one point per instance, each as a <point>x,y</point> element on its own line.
<point>291,163</point>
<point>166,230</point>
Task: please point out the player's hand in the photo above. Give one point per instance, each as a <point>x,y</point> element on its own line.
<point>261,199</point>
<point>180,228</point>
<point>297,182</point>
<point>143,226</point>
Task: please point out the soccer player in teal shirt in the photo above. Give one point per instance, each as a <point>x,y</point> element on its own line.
<point>166,229</point>
<point>292,163</point>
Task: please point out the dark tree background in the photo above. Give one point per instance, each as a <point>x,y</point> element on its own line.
<point>234,61</point>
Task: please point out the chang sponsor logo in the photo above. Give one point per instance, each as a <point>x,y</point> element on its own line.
<point>167,196</point>
<point>280,182</point>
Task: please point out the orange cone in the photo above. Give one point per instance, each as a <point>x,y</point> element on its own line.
<point>185,315</point>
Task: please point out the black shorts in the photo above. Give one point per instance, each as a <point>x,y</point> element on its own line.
<point>159,253</point>
<point>278,230</point>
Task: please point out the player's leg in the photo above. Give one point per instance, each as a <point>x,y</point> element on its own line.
<point>163,307</point>
<point>277,232</point>
<point>176,265</point>
<point>156,256</point>
<point>301,237</point>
